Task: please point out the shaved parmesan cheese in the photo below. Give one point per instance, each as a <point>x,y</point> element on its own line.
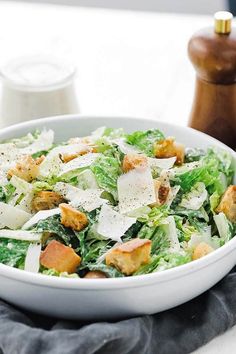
<point>69,149</point>
<point>26,202</point>
<point>88,199</point>
<point>23,189</point>
<point>32,258</point>
<point>195,198</point>
<point>21,185</point>
<point>64,189</point>
<point>8,154</point>
<point>86,179</point>
<point>20,235</point>
<point>40,215</point>
<point>12,217</point>
<point>172,194</point>
<point>223,226</point>
<point>162,163</point>
<point>113,225</point>
<point>50,166</point>
<point>135,189</point>
<point>98,133</point>
<point>79,162</point>
<point>204,236</point>
<point>171,231</point>
<point>43,142</point>
<point>126,148</point>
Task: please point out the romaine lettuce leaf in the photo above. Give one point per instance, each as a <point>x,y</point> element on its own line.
<point>107,170</point>
<point>13,252</point>
<point>111,272</point>
<point>158,236</point>
<point>224,226</point>
<point>195,198</point>
<point>144,140</point>
<point>86,180</point>
<point>193,154</point>
<point>6,192</point>
<point>214,201</point>
<point>53,226</point>
<point>172,260</point>
<point>114,133</point>
<point>164,261</point>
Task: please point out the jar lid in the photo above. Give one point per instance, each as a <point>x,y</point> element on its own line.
<point>37,73</point>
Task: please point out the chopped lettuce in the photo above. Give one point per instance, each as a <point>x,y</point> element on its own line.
<point>6,192</point>
<point>145,140</point>
<point>114,133</point>
<point>55,273</point>
<point>119,206</point>
<point>13,252</point>
<point>107,170</point>
<point>194,154</point>
<point>55,230</point>
<point>164,261</point>
<point>86,179</point>
<point>224,226</point>
<point>195,198</point>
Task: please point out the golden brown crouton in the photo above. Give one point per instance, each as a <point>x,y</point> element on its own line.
<point>60,257</point>
<point>169,148</point>
<point>201,250</point>
<point>129,256</point>
<point>69,157</point>
<point>45,200</point>
<point>228,203</point>
<point>132,161</point>
<point>26,168</point>
<point>39,159</point>
<point>96,274</point>
<point>70,217</point>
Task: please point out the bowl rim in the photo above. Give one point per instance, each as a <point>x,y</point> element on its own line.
<point>122,282</point>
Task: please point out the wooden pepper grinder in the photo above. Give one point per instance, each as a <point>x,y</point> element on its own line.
<point>213,55</point>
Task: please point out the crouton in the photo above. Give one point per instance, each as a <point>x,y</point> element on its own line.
<point>39,159</point>
<point>45,200</point>
<point>96,274</point>
<point>70,217</point>
<point>132,161</point>
<point>201,250</point>
<point>26,168</point>
<point>228,204</point>
<point>129,256</point>
<point>68,157</point>
<point>169,148</point>
<point>60,257</point>
<point>162,191</point>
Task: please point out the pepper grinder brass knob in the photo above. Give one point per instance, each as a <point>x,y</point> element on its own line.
<point>223,21</point>
<point>212,52</point>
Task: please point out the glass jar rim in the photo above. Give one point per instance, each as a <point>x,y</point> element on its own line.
<point>37,73</point>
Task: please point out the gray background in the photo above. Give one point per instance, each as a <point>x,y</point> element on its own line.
<point>179,6</point>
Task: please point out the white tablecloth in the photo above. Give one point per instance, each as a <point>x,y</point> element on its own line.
<point>129,63</point>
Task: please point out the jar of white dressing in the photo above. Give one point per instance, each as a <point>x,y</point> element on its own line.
<point>36,87</point>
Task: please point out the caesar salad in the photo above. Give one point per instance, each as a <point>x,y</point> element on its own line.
<point>112,204</point>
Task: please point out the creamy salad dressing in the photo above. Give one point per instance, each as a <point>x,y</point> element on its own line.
<point>36,87</point>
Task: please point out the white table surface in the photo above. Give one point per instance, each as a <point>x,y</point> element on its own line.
<point>129,63</point>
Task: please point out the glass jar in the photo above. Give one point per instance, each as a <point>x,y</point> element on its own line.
<point>36,87</point>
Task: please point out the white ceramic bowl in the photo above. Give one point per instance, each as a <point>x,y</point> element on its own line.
<point>91,299</point>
